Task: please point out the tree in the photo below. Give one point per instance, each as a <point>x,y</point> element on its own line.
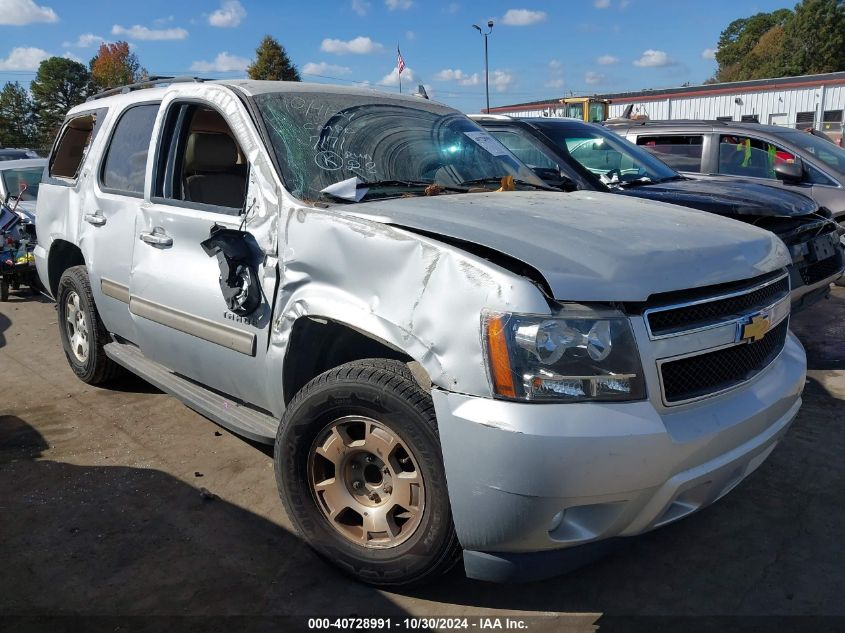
<point>115,65</point>
<point>16,116</point>
<point>739,39</point>
<point>59,85</point>
<point>272,62</point>
<point>815,37</point>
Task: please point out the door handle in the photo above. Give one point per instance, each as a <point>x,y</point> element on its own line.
<point>157,237</point>
<point>95,218</point>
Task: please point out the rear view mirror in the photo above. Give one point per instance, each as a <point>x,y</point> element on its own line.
<point>790,172</point>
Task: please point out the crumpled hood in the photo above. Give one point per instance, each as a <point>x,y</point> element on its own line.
<point>728,197</point>
<point>593,246</point>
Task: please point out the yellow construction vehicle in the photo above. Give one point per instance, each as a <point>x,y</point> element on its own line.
<point>587,109</point>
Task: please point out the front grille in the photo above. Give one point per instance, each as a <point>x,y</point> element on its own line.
<point>704,374</point>
<point>820,270</point>
<point>663,322</point>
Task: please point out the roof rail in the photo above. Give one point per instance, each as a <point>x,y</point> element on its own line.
<point>151,82</point>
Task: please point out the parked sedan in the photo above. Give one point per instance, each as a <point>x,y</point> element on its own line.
<point>571,154</point>
<point>785,157</point>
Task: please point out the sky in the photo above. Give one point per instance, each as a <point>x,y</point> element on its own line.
<point>537,49</point>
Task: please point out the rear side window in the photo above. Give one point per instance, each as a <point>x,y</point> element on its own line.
<point>73,141</point>
<point>681,152</point>
<point>126,157</point>
<point>751,157</point>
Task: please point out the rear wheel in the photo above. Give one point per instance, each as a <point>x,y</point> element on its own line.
<point>360,472</point>
<point>82,332</point>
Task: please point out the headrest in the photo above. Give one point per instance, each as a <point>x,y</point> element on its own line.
<point>210,152</point>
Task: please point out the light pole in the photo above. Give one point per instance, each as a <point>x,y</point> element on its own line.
<point>486,71</point>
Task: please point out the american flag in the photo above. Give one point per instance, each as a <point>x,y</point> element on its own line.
<point>400,63</point>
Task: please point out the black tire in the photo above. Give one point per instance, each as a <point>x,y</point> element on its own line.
<point>385,391</point>
<point>4,290</point>
<point>96,368</point>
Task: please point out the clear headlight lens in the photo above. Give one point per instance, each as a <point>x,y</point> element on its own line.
<point>562,358</point>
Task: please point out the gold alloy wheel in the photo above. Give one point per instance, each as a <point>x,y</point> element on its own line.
<point>366,482</point>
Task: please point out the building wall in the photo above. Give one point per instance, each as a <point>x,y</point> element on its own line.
<point>763,104</point>
<point>787,102</point>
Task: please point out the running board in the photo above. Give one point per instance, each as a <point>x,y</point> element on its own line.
<point>232,415</point>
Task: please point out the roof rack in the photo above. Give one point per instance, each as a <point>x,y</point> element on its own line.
<point>151,82</point>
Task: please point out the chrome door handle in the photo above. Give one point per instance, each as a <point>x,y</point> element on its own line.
<point>95,218</point>
<point>157,237</point>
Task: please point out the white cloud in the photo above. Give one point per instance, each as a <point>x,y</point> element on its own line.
<point>229,15</point>
<point>601,4</point>
<point>653,59</point>
<point>593,78</point>
<point>554,64</point>
<point>607,60</point>
<point>453,7</point>
<point>86,40</point>
<point>72,57</point>
<point>139,32</point>
<point>21,12</point>
<point>456,74</point>
<point>223,63</point>
<point>402,5</point>
<point>24,58</point>
<point>392,78</point>
<point>357,46</point>
<point>708,53</point>
<point>501,80</point>
<point>523,17</point>
<point>554,83</point>
<point>360,7</point>
<point>324,68</point>
<point>410,35</point>
<point>624,3</point>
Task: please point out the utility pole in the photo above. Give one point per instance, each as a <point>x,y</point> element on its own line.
<point>486,66</point>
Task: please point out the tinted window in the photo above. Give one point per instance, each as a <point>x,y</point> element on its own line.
<point>126,160</point>
<point>681,152</point>
<point>615,160</point>
<point>525,149</point>
<point>74,139</point>
<point>751,157</point>
<point>23,182</point>
<point>822,149</point>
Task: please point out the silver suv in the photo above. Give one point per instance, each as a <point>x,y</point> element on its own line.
<point>448,357</point>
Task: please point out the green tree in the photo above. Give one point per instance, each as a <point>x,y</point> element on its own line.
<point>814,38</point>
<point>738,40</point>
<point>16,116</point>
<point>115,65</point>
<point>59,85</point>
<point>272,62</point>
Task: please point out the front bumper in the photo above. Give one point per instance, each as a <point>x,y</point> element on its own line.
<point>530,478</point>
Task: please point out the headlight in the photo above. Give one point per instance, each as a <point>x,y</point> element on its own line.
<point>564,358</point>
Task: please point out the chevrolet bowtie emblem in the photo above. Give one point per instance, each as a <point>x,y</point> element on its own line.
<point>756,328</point>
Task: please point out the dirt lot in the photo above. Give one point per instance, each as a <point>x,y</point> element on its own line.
<point>101,513</point>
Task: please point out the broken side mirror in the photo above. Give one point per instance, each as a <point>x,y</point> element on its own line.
<point>237,254</point>
<point>790,172</point>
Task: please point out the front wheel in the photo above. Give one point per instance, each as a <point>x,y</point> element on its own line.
<point>360,472</point>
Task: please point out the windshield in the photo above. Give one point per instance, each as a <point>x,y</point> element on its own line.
<point>321,139</point>
<point>821,148</point>
<point>14,179</point>
<point>610,157</point>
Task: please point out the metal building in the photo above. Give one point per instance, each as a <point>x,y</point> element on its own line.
<point>811,100</point>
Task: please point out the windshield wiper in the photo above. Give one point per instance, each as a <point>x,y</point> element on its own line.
<point>498,180</point>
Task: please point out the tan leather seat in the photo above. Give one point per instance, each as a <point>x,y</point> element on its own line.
<point>211,174</point>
